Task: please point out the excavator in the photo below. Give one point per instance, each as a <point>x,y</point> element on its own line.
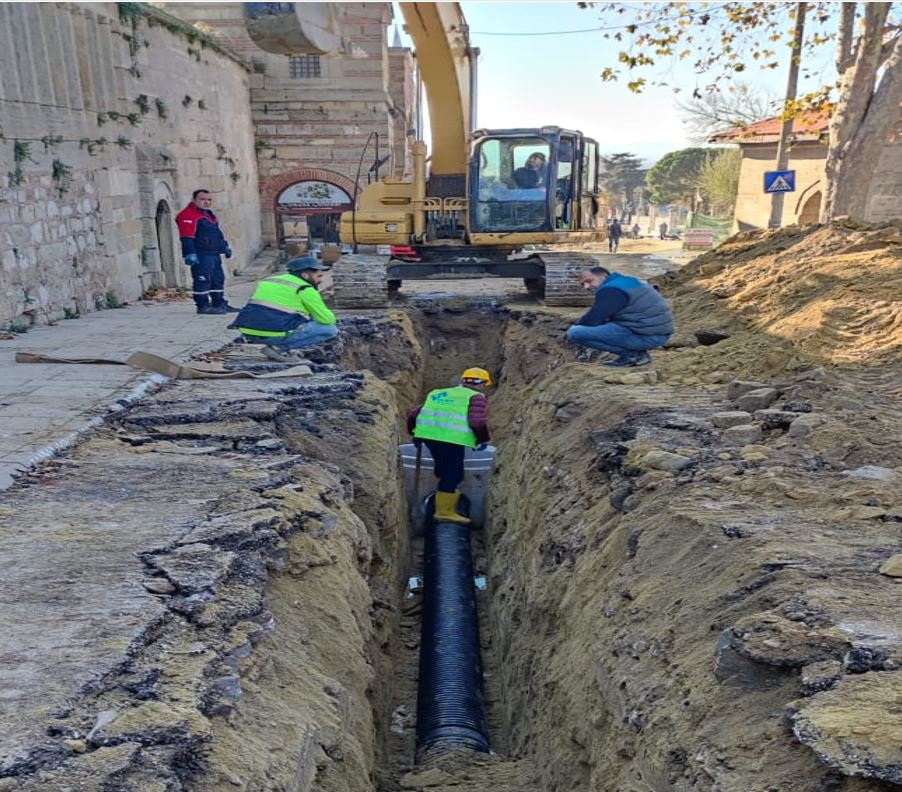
<point>482,201</point>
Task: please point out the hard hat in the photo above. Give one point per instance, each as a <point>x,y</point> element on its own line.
<point>477,374</point>
<point>305,263</point>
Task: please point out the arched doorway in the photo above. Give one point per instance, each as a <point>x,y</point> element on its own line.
<point>811,210</point>
<point>309,213</point>
<point>165,244</point>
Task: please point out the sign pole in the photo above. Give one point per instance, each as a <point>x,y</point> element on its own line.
<point>792,82</point>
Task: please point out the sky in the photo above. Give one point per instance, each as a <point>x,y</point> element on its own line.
<point>555,80</point>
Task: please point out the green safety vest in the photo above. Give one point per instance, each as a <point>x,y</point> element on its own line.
<point>443,417</point>
<point>279,292</point>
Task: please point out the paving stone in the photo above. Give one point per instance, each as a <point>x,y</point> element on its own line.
<point>724,420</point>
<point>743,434</point>
<point>757,399</point>
<point>738,387</point>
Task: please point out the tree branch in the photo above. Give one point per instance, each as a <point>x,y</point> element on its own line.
<point>845,55</point>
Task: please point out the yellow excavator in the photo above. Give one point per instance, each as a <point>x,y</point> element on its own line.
<point>483,196</point>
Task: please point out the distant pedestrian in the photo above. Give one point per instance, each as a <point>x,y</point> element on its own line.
<point>636,230</point>
<point>202,245</point>
<point>628,318</point>
<point>286,311</point>
<point>663,229</point>
<point>615,231</point>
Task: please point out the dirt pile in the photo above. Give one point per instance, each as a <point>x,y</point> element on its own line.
<point>832,292</point>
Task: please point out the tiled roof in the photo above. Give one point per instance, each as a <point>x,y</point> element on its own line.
<point>806,126</point>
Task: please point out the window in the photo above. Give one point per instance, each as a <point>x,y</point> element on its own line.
<point>590,164</point>
<point>512,184</point>
<point>304,66</point>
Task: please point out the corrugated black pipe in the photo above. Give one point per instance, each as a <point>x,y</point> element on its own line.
<point>451,699</point>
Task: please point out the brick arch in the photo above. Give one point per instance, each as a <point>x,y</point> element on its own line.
<point>275,184</point>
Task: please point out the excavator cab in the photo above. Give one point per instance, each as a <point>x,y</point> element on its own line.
<point>532,181</point>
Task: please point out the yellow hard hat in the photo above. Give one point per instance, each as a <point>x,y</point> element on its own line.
<point>477,374</point>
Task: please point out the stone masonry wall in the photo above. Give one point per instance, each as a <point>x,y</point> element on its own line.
<point>322,123</point>
<point>106,121</point>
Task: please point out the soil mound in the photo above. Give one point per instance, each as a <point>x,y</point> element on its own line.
<point>834,292</point>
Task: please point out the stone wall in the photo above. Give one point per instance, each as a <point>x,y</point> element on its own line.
<point>320,123</point>
<point>803,206</point>
<point>108,124</point>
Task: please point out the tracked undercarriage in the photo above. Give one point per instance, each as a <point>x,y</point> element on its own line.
<point>369,281</point>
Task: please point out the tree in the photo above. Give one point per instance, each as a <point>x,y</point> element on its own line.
<point>722,40</point>
<point>622,175</point>
<point>675,177</point>
<point>719,180</point>
<point>741,105</point>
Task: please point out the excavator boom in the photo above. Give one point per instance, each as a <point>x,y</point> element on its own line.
<point>447,65</point>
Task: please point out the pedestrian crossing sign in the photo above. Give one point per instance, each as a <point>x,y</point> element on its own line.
<point>780,181</point>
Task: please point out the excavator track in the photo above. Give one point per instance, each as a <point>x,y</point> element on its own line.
<point>561,285</point>
<point>361,281</point>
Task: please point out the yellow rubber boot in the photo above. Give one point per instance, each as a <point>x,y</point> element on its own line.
<point>446,508</point>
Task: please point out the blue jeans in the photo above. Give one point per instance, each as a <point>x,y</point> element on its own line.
<point>612,337</point>
<point>208,280</point>
<point>307,334</point>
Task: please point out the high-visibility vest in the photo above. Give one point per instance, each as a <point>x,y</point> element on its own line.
<point>443,417</point>
<point>278,293</point>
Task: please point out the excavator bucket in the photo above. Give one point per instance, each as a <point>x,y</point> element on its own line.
<point>297,29</point>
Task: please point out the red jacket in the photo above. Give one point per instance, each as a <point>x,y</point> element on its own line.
<point>477,417</point>
<point>199,232</point>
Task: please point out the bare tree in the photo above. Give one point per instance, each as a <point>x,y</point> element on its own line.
<point>711,113</point>
<point>722,40</point>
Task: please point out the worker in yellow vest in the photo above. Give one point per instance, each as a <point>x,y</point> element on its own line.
<point>449,421</point>
<point>286,311</point>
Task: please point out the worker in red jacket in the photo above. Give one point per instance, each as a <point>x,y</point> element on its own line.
<point>449,421</point>
<point>202,245</point>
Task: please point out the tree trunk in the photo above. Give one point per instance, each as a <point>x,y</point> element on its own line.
<point>863,119</point>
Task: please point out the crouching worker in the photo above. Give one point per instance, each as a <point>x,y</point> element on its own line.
<point>628,318</point>
<point>449,421</point>
<point>286,312</point>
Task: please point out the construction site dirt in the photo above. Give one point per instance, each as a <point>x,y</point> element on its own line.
<point>692,568</point>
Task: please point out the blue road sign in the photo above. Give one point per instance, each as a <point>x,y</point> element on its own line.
<point>780,181</point>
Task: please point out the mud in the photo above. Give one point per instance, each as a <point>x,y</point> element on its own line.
<point>684,564</point>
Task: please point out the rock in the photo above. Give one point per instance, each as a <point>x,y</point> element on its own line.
<point>757,399</point>
<point>76,746</point>
<point>802,426</point>
<point>755,453</point>
<point>799,407</point>
<point>770,638</point>
<point>743,434</point>
<point>856,727</point>
<point>738,387</point>
<point>619,495</point>
<point>892,567</point>
<point>871,472</point>
<point>715,377</point>
<point>710,337</point>
<point>724,420</point>
<point>823,675</point>
<point>630,377</point>
<point>664,460</point>
<point>159,585</point>
<point>775,419</point>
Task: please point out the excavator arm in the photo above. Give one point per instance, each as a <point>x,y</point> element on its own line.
<point>447,65</point>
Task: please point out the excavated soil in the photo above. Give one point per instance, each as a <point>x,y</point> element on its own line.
<point>691,582</point>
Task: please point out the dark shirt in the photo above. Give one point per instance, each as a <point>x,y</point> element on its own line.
<point>527,178</point>
<point>616,230</point>
<point>608,301</point>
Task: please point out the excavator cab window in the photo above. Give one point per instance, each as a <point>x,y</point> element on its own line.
<point>511,184</point>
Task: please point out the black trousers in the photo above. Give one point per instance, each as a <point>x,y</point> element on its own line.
<point>448,459</point>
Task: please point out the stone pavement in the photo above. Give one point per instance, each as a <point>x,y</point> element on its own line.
<point>44,407</point>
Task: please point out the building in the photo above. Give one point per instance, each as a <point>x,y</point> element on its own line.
<point>112,114</point>
<point>321,123</point>
<point>807,157</point>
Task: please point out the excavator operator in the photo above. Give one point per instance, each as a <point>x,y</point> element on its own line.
<point>449,421</point>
